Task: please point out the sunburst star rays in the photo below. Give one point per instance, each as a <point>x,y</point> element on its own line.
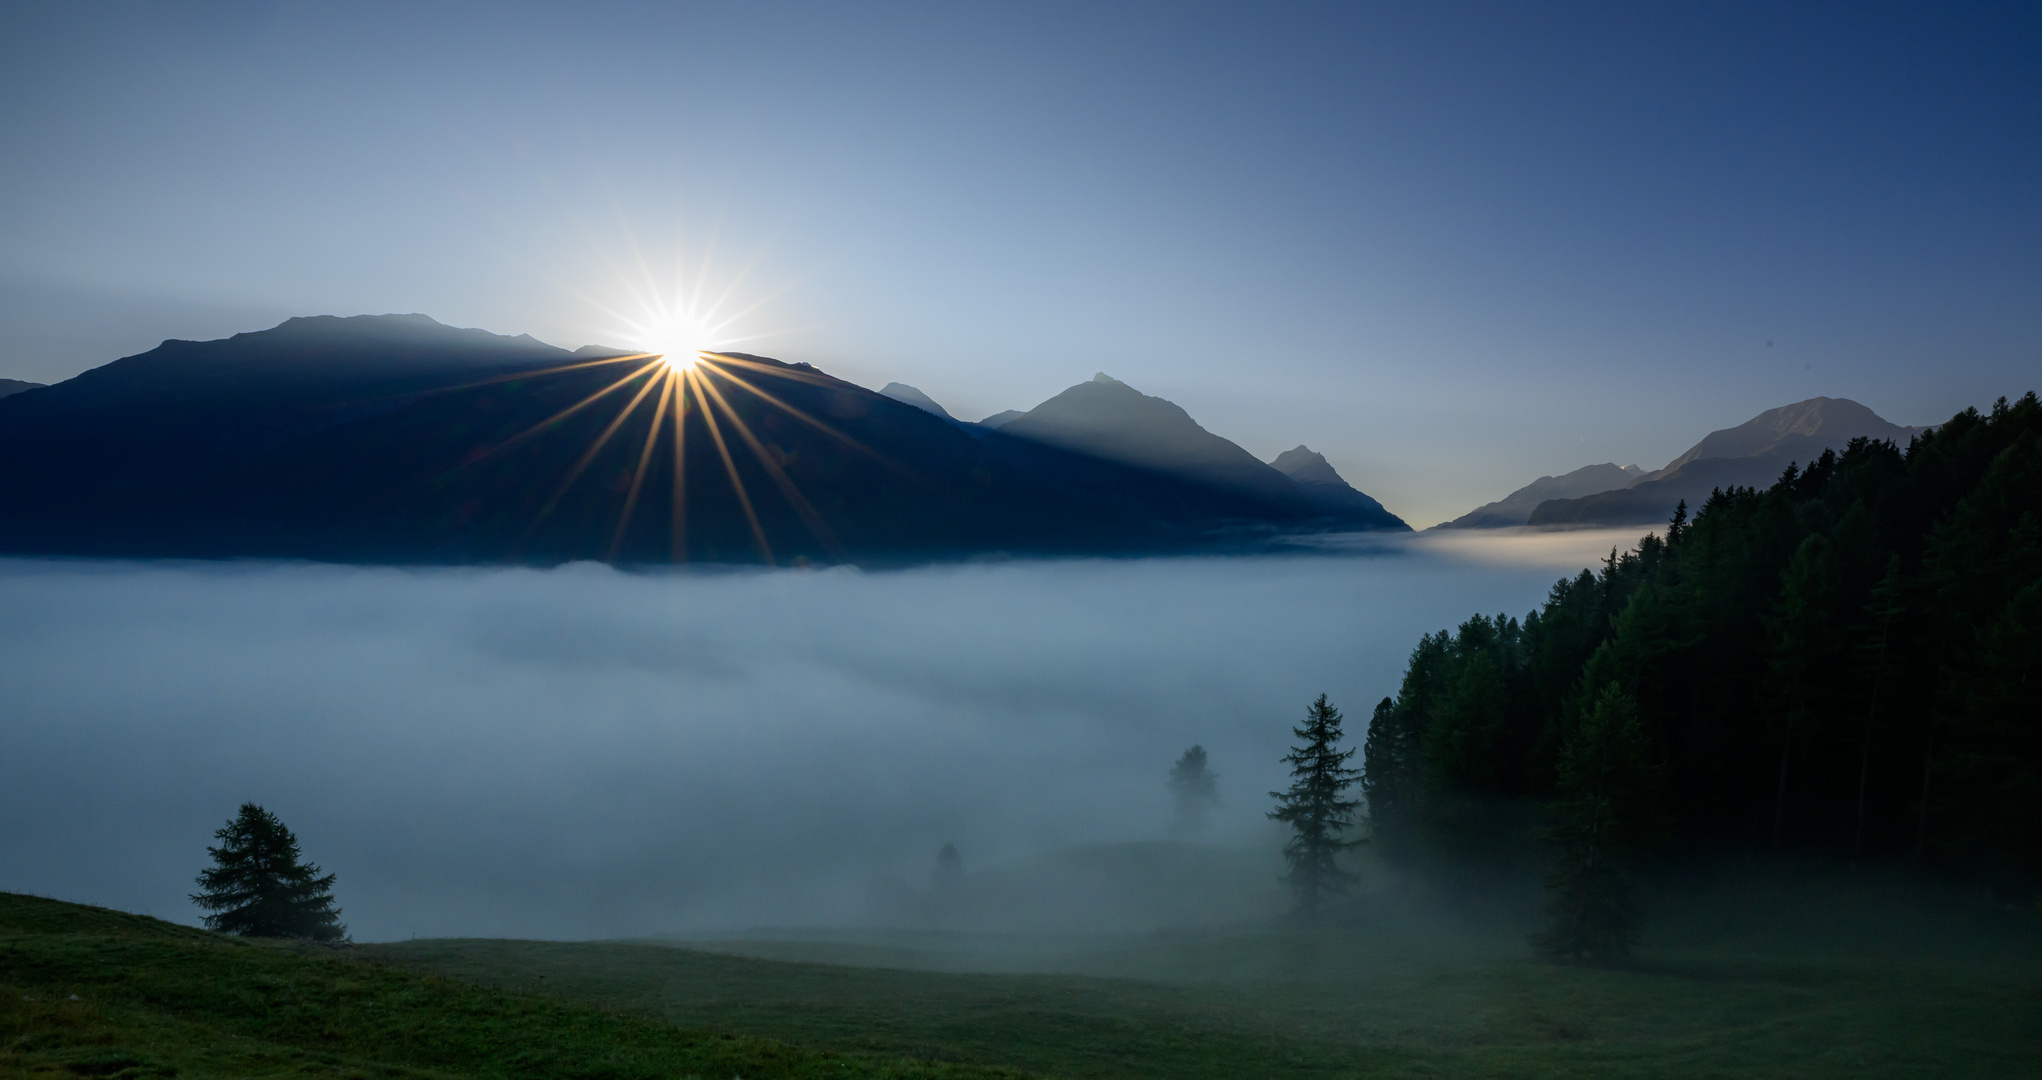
<point>683,391</point>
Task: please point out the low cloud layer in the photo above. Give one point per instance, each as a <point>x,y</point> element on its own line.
<point>583,752</point>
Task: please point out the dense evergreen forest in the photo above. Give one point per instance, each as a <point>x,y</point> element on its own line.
<point>1846,663</point>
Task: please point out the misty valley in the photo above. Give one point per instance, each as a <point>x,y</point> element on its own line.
<point>1059,817</point>
<point>598,714</point>
<point>1030,540</point>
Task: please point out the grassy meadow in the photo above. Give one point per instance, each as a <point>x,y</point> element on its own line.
<point>1824,975</point>
<point>90,992</point>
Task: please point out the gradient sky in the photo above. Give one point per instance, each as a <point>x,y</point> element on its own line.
<point>1452,247</point>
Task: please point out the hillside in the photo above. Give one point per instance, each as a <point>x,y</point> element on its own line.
<point>91,992</point>
<point>1815,974</point>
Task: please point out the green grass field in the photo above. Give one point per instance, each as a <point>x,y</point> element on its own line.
<point>1823,978</point>
<point>90,992</point>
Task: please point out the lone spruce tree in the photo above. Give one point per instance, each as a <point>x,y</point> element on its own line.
<point>1603,819</point>
<point>256,886</point>
<point>1315,811</point>
<point>1196,790</point>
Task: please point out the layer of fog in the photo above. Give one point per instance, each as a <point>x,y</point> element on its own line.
<point>585,752</point>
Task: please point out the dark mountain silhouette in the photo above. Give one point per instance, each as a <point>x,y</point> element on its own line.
<point>904,393</point>
<point>11,387</point>
<point>1315,476</point>
<point>397,439</point>
<point>1107,418</point>
<point>1001,419</point>
<point>1516,508</point>
<point>1752,454</point>
<point>1112,421</point>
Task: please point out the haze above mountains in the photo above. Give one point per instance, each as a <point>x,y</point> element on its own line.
<point>395,438</point>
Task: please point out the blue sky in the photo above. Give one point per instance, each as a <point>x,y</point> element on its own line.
<point>1453,247</point>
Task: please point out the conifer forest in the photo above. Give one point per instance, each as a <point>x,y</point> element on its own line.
<point>1842,665</point>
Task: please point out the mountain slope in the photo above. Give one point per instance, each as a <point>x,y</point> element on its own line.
<point>1516,508</point>
<point>1752,454</point>
<point>1112,421</point>
<point>396,439</point>
<point>906,394</point>
<point>1316,477</point>
<point>11,387</point>
<point>1108,419</point>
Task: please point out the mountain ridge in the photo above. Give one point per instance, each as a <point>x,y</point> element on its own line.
<point>1516,508</point>
<point>1752,454</point>
<point>397,439</point>
<point>1108,419</point>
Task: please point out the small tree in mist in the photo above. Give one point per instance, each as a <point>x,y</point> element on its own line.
<point>1196,790</point>
<point>949,867</point>
<point>1315,810</point>
<point>257,887</point>
<point>1603,818</point>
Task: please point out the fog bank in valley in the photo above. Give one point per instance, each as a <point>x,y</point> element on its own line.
<point>587,752</point>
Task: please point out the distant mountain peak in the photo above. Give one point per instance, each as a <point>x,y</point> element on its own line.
<point>1752,454</point>
<point>1322,484</point>
<point>1818,421</point>
<point>1108,419</point>
<point>908,395</point>
<point>1307,466</point>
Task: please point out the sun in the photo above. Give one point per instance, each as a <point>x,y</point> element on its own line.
<point>674,366</point>
<point>676,339</point>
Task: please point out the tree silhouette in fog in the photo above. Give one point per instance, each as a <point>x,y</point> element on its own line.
<point>257,887</point>
<point>1314,809</point>
<point>1196,790</point>
<point>1602,819</point>
<point>949,867</point>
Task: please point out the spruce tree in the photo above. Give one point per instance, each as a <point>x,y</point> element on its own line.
<point>1386,776</point>
<point>257,887</point>
<point>1196,791</point>
<point>1315,810</point>
<point>1602,820</point>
